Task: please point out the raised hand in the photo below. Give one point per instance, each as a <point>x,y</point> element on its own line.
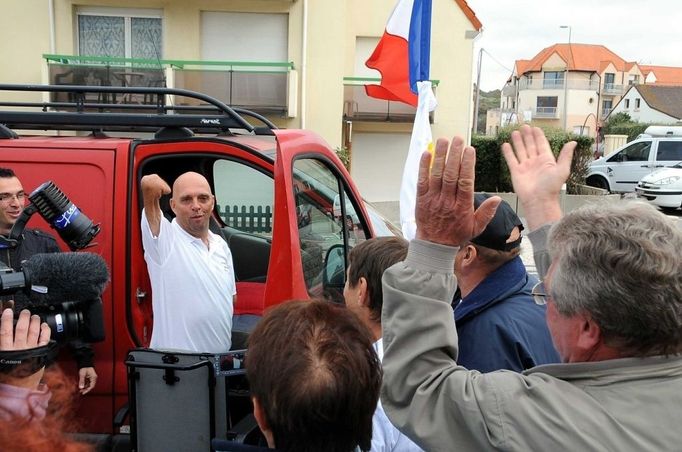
<point>444,210</point>
<point>536,175</point>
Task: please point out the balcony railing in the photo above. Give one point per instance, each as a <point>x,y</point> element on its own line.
<point>358,106</point>
<point>546,112</point>
<point>558,84</point>
<point>611,89</point>
<point>263,87</point>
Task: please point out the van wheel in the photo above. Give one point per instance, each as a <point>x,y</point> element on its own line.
<point>669,209</point>
<point>597,182</point>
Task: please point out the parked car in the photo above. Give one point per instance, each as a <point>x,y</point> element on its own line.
<point>620,171</point>
<point>662,188</point>
<point>275,190</point>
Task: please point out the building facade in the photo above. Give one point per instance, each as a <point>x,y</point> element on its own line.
<point>570,86</point>
<point>298,62</point>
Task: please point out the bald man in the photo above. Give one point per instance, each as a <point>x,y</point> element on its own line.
<point>190,268</point>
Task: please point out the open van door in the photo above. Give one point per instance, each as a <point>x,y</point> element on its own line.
<point>324,215</point>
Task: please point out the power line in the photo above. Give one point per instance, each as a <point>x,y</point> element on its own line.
<point>497,61</point>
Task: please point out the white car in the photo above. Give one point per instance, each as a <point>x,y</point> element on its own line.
<point>662,188</point>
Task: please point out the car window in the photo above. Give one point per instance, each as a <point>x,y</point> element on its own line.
<point>326,219</point>
<point>669,150</point>
<point>244,197</point>
<point>636,152</point>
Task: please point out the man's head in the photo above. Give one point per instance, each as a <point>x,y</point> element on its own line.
<point>366,265</point>
<point>192,202</point>
<point>314,378</point>
<point>615,283</point>
<point>12,199</point>
<point>499,243</point>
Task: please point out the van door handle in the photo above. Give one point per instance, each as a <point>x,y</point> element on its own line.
<point>659,166</point>
<point>140,295</point>
<point>646,166</point>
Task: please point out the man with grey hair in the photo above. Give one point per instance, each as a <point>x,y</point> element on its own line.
<point>613,288</point>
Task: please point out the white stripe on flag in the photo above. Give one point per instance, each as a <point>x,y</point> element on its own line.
<point>420,141</point>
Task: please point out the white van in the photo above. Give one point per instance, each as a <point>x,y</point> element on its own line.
<point>620,171</point>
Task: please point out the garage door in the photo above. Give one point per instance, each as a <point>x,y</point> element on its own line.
<point>378,161</point>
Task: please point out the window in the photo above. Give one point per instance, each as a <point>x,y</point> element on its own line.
<point>119,32</point>
<point>637,103</point>
<point>553,80</point>
<point>606,106</point>
<point>328,224</point>
<point>637,152</point>
<point>609,79</point>
<point>627,103</point>
<point>633,79</point>
<point>244,197</point>
<point>669,150</point>
<point>546,105</point>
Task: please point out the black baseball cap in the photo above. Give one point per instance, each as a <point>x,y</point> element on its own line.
<point>496,234</point>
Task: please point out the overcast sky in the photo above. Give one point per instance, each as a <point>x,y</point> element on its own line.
<point>645,31</point>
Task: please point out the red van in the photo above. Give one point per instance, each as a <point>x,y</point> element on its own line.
<point>275,194</point>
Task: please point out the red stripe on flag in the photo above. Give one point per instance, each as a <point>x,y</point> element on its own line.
<point>390,58</point>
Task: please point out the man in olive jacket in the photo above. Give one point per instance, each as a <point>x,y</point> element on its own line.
<point>613,289</point>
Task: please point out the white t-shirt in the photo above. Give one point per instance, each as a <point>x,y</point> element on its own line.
<point>385,436</point>
<point>192,289</point>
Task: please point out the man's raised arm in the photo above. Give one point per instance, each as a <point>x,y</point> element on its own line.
<point>153,187</point>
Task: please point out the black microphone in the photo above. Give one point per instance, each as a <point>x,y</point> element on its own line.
<point>73,226</point>
<point>53,278</point>
<point>65,290</point>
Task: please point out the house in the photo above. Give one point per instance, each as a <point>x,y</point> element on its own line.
<point>662,75</point>
<point>652,104</point>
<point>571,86</point>
<point>300,63</point>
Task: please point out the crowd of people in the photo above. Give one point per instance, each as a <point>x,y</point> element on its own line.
<point>445,343</point>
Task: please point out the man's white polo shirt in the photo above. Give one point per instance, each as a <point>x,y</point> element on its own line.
<point>192,289</point>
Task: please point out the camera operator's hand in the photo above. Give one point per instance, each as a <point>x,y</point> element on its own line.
<point>29,332</point>
<point>87,379</point>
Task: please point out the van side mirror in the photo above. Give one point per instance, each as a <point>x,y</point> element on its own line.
<point>334,272</point>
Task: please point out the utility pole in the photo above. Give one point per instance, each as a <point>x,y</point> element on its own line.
<point>477,96</point>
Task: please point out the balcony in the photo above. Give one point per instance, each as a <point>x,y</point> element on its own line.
<point>525,84</point>
<point>358,106</point>
<point>509,90</point>
<point>612,90</point>
<point>546,113</point>
<point>263,87</point>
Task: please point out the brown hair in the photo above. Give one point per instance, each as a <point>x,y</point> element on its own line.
<point>48,434</point>
<point>369,260</point>
<point>312,368</point>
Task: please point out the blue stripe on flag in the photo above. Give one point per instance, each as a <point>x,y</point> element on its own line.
<point>419,42</point>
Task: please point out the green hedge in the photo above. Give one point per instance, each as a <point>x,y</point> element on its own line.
<point>492,174</point>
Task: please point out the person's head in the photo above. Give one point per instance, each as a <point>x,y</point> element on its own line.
<point>12,199</point>
<point>499,243</point>
<point>37,433</point>
<point>314,378</point>
<point>366,265</point>
<point>615,283</point>
<point>192,203</point>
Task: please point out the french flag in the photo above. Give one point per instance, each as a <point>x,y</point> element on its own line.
<point>403,53</point>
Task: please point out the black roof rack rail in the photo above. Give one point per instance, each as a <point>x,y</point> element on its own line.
<point>98,116</point>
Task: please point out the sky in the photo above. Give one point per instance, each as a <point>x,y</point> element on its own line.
<point>644,31</point>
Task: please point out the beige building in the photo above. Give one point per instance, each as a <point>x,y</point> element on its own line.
<point>571,86</point>
<point>298,62</point>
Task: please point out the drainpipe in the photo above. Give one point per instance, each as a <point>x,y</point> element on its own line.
<point>304,64</point>
<point>50,12</point>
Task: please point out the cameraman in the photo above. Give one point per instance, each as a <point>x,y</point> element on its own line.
<point>34,241</point>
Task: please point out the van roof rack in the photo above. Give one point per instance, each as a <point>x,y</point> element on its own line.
<point>94,108</point>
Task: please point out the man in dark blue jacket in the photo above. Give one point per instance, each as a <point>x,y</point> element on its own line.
<point>499,324</point>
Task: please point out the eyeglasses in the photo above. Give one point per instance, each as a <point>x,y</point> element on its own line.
<point>539,293</point>
<point>6,198</point>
